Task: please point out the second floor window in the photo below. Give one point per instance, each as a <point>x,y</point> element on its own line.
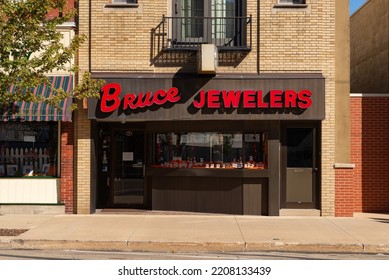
<point>220,22</point>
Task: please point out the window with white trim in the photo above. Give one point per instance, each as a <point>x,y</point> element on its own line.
<point>29,149</point>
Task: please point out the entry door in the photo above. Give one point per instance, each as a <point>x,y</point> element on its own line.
<point>301,168</point>
<point>128,169</point>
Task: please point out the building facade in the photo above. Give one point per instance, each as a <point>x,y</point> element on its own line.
<point>238,107</point>
<point>36,156</point>
<point>369,36</point>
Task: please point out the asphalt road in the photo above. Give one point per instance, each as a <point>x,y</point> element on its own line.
<point>19,254</point>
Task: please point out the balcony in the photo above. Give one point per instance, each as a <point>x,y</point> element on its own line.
<point>182,36</point>
<point>187,33</point>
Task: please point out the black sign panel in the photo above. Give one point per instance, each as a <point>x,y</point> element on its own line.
<point>195,97</point>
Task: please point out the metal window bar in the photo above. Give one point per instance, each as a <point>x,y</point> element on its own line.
<point>187,33</point>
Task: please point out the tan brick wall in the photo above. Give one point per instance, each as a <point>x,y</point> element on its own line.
<point>82,162</point>
<point>300,41</point>
<point>369,32</point>
<point>290,41</point>
<point>121,39</point>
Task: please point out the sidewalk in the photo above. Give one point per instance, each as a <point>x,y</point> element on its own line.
<point>186,232</point>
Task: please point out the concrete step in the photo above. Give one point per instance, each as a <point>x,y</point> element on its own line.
<point>51,209</point>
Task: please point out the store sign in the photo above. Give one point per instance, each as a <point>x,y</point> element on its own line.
<point>112,100</point>
<point>251,99</point>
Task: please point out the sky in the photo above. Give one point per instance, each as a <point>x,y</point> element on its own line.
<point>355,4</point>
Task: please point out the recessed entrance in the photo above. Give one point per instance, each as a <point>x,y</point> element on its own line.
<point>122,166</point>
<point>300,188</point>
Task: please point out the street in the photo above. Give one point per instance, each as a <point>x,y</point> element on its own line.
<point>21,254</point>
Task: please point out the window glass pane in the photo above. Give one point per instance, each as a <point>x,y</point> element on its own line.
<point>28,148</point>
<point>300,147</point>
<point>254,150</point>
<point>224,15</point>
<point>209,21</point>
<point>209,150</point>
<point>125,1</point>
<point>192,22</point>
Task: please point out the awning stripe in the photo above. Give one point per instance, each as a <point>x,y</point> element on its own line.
<point>22,107</point>
<point>48,94</point>
<point>39,105</point>
<point>28,111</point>
<point>44,105</point>
<point>67,86</point>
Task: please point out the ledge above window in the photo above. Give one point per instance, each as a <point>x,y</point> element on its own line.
<point>290,6</point>
<point>122,5</point>
<point>305,8</point>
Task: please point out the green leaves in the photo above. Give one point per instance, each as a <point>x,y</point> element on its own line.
<point>31,48</point>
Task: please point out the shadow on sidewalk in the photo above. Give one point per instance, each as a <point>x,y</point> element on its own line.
<point>381,220</point>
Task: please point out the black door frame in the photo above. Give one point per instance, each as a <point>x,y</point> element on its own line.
<point>316,168</point>
<point>110,129</point>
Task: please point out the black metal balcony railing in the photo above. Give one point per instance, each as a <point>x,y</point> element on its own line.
<point>187,33</point>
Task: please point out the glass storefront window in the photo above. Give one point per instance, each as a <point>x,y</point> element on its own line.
<point>28,149</point>
<point>209,150</point>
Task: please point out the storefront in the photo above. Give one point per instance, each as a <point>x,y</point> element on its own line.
<point>33,139</point>
<point>236,144</point>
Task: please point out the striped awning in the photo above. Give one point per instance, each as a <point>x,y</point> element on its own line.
<point>28,111</point>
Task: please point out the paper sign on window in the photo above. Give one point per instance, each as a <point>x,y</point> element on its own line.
<point>128,156</point>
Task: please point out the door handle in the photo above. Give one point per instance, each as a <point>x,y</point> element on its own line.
<point>315,169</point>
<point>175,8</point>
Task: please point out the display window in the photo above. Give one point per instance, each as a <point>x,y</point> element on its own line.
<point>210,150</point>
<point>28,149</point>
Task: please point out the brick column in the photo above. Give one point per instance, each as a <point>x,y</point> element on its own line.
<point>344,192</point>
<point>83,162</point>
<point>67,165</point>
<point>370,151</point>
<point>356,143</point>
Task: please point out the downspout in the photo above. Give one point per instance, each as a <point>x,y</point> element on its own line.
<point>258,41</point>
<point>90,38</point>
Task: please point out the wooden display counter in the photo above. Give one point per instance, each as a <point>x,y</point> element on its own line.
<point>227,191</point>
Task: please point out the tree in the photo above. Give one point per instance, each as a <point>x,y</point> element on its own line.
<point>31,49</point>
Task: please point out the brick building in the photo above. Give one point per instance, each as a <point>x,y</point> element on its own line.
<point>36,140</point>
<point>369,52</point>
<point>220,106</point>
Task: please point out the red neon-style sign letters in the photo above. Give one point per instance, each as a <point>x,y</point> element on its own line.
<point>213,99</point>
<point>110,100</point>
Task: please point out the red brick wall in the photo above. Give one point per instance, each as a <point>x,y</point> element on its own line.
<point>356,149</point>
<point>345,192</point>
<point>54,13</point>
<point>67,160</point>
<point>368,188</point>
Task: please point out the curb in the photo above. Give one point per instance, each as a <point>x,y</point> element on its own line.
<point>139,246</point>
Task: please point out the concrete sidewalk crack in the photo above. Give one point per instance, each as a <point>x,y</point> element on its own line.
<point>349,234</point>
<point>136,227</point>
<point>241,233</point>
